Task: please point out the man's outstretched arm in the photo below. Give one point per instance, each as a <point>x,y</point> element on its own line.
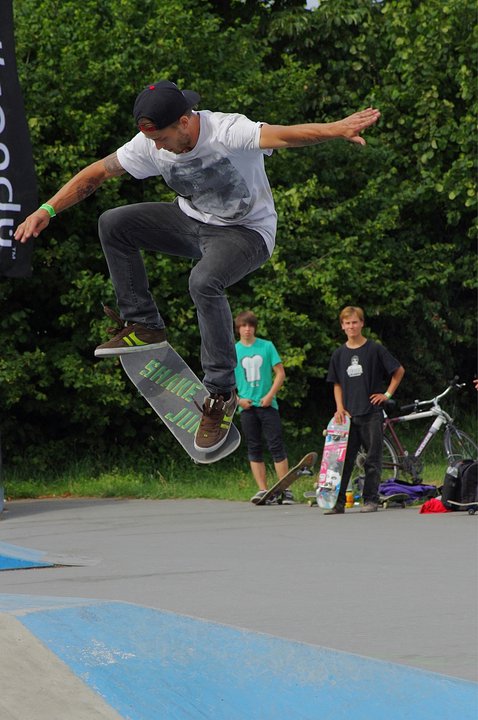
<point>349,128</point>
<point>78,188</point>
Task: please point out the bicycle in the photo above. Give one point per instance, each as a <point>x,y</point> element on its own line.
<point>397,461</point>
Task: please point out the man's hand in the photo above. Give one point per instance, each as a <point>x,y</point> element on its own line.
<point>245,403</point>
<point>32,226</point>
<point>351,126</point>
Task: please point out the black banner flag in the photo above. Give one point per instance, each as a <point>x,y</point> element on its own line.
<point>18,188</point>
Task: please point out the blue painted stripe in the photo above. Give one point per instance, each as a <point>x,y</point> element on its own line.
<point>13,557</point>
<point>149,664</point>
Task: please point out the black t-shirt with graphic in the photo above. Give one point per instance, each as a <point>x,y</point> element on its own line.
<point>361,372</point>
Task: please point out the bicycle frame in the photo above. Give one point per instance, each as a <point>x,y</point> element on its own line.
<point>441,418</point>
<point>440,415</point>
<point>396,458</point>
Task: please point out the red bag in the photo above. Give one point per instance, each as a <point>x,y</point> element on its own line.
<point>433,506</point>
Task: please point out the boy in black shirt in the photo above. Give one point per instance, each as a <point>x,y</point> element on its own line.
<point>359,370</point>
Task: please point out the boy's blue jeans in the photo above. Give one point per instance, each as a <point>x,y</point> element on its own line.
<point>224,254</point>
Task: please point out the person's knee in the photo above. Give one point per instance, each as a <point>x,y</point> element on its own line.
<point>279,458</point>
<point>255,456</point>
<point>108,222</point>
<point>274,438</point>
<point>277,450</point>
<point>203,285</point>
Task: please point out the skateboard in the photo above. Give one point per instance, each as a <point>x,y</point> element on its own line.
<point>401,499</point>
<point>332,465</point>
<point>472,507</point>
<point>302,468</point>
<point>170,386</point>
<point>311,496</point>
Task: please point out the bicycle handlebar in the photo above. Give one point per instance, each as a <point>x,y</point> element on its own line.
<point>407,408</point>
<point>434,401</point>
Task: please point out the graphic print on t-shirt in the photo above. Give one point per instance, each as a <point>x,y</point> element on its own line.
<point>214,187</point>
<point>252,368</point>
<point>354,369</point>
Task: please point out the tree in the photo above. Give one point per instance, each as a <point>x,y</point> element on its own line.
<point>388,226</point>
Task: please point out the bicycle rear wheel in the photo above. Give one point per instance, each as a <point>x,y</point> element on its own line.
<point>390,464</point>
<point>459,445</point>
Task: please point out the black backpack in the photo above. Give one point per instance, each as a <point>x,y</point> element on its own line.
<point>460,484</point>
<point>469,483</point>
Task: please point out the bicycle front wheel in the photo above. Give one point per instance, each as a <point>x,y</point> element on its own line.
<point>459,445</point>
<point>390,464</point>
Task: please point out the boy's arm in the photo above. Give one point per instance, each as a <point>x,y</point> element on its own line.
<point>340,413</point>
<point>78,188</point>
<point>276,385</point>
<point>395,380</point>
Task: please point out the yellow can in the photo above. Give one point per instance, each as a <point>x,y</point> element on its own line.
<point>349,499</point>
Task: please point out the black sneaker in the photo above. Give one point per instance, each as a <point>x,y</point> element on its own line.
<point>288,498</point>
<point>258,496</point>
<point>129,337</point>
<point>369,507</point>
<point>215,422</point>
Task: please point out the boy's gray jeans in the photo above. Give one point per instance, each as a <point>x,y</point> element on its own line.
<point>225,255</point>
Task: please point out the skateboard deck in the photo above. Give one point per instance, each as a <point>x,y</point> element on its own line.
<point>472,507</point>
<point>332,465</point>
<point>401,499</point>
<point>302,468</point>
<point>170,387</point>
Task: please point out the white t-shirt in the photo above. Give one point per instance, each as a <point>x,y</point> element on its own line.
<point>221,181</point>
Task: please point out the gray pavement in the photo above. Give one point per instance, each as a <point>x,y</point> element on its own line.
<point>395,585</point>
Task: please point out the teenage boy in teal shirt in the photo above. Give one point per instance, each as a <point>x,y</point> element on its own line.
<point>259,376</point>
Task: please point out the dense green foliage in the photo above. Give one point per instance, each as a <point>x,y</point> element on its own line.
<point>390,226</point>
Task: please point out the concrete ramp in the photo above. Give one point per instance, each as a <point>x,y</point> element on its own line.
<point>145,664</point>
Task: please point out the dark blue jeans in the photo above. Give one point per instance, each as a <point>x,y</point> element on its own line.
<point>366,431</point>
<point>224,256</point>
<point>257,422</point>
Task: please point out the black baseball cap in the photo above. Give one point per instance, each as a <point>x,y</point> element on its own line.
<point>163,103</point>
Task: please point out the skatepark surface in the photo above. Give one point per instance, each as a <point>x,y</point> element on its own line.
<point>152,610</point>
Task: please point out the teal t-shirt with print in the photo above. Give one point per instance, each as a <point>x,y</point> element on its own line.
<point>254,373</point>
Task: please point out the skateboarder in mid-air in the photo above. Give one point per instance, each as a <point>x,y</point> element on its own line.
<point>360,370</point>
<point>224,218</point>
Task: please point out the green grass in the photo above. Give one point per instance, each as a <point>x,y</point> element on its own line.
<point>168,473</point>
<point>229,479</point>
<point>160,469</point>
